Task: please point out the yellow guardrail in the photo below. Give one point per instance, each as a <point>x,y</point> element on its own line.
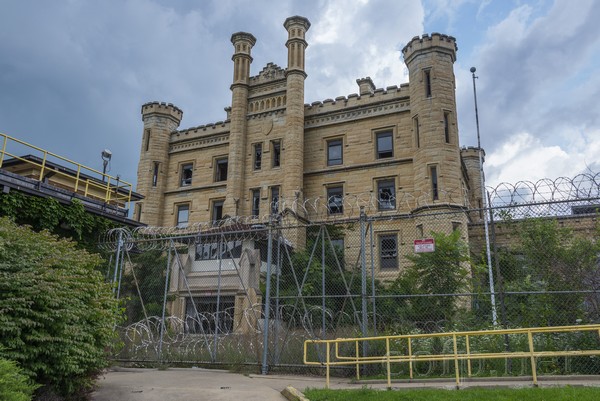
<point>81,179</point>
<point>465,354</point>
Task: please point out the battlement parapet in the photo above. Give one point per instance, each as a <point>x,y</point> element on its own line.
<point>206,130</point>
<point>355,100</point>
<point>435,41</point>
<point>166,109</point>
<point>471,152</point>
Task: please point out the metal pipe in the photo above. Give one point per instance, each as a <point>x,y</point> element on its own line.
<point>485,207</point>
<point>265,365</point>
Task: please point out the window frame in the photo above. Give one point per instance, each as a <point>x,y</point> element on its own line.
<point>257,153</point>
<point>384,134</point>
<point>274,204</point>
<point>214,204</point>
<point>427,82</point>
<point>155,172</point>
<point>330,144</point>
<point>385,262</point>
<point>339,208</point>
<point>182,169</point>
<point>447,126</point>
<point>434,181</point>
<point>178,209</point>
<point>276,153</point>
<point>218,161</point>
<point>255,202</point>
<point>415,120</point>
<point>383,183</point>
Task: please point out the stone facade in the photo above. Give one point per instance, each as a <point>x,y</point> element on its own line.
<point>400,142</point>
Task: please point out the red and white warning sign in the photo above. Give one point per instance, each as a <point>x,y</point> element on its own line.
<point>424,245</point>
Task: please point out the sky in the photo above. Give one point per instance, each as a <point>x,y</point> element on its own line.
<point>74,73</point>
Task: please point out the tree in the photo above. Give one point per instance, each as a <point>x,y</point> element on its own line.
<point>444,271</point>
<point>57,313</point>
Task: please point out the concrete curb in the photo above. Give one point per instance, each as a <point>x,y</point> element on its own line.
<point>293,395</point>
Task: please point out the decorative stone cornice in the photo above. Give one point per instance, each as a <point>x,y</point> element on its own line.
<point>200,143</point>
<point>354,113</point>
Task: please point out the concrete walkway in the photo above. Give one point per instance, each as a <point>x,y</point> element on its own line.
<point>175,384</point>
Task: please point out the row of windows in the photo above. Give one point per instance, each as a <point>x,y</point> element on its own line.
<point>183,209</point>
<point>386,193</point>
<point>257,161</point>
<point>386,199</point>
<point>221,164</point>
<point>384,143</point>
<point>384,148</point>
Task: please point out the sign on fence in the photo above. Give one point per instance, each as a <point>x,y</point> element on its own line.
<point>424,245</point>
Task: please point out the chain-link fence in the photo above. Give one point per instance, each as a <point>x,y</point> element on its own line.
<point>244,293</point>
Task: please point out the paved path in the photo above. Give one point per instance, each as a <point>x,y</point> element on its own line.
<point>175,384</point>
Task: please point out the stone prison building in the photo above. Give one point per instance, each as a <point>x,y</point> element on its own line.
<point>396,150</point>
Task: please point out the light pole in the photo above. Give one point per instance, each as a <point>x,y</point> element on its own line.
<point>485,207</point>
<point>106,156</point>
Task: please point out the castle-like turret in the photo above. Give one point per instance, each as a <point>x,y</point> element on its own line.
<point>470,157</point>
<point>293,142</point>
<point>160,119</point>
<point>437,164</point>
<point>242,43</point>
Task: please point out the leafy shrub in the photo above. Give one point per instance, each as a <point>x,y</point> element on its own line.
<point>57,313</point>
<point>14,384</point>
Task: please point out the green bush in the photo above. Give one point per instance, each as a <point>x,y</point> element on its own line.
<point>57,313</point>
<point>14,384</point>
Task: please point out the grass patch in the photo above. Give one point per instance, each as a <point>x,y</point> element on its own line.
<point>470,394</point>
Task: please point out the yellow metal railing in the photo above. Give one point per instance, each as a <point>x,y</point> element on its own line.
<point>465,354</point>
<point>80,179</point>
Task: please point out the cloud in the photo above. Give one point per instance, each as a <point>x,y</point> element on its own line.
<point>525,157</point>
<point>538,74</point>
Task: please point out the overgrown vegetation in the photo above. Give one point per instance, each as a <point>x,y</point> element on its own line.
<point>67,221</point>
<point>57,313</point>
<point>14,384</point>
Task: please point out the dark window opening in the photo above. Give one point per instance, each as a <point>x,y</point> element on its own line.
<point>183,216</point>
<point>147,146</point>
<point>447,127</point>
<point>257,156</point>
<point>434,182</point>
<point>204,319</point>
<point>211,248</point>
<point>139,211</point>
<point>274,200</point>
<point>335,200</point>
<point>388,251</point>
<point>221,170</point>
<point>416,128</point>
<point>386,194</point>
<point>255,202</point>
<point>186,174</point>
<point>276,153</point>
<point>334,152</point>
<point>427,78</point>
<point>217,212</point>
<point>419,230</point>
<point>385,145</point>
<point>155,174</point>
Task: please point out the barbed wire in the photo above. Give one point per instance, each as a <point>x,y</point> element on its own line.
<point>585,186</point>
<point>534,199</point>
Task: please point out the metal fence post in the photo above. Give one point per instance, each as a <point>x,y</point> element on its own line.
<point>162,320</point>
<point>363,268</point>
<point>265,365</point>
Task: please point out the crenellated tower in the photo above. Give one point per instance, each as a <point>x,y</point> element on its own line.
<point>242,59</point>
<point>160,119</point>
<point>437,163</point>
<point>293,142</point>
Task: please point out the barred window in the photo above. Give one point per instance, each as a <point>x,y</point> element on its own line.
<point>388,251</point>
